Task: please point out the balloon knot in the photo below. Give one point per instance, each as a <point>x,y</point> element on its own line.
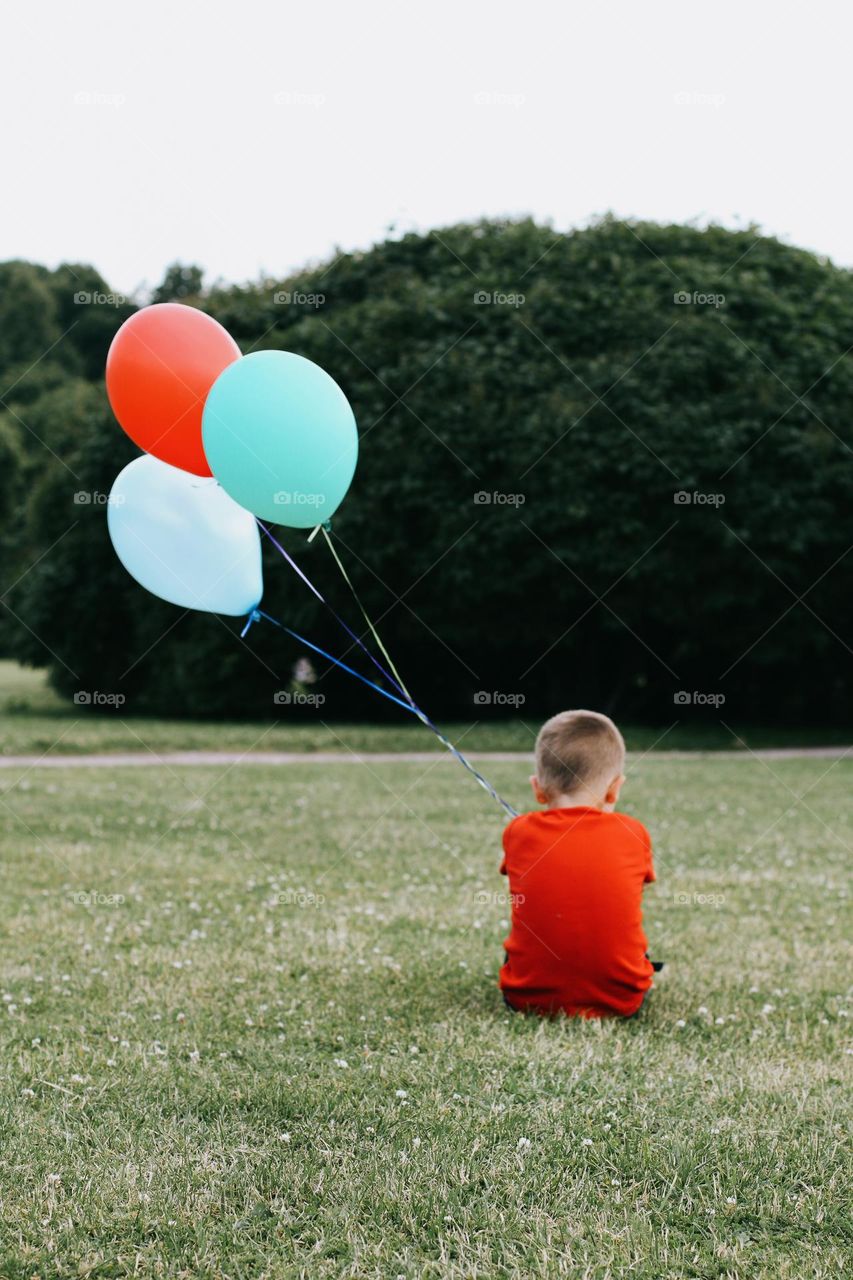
<point>254,616</point>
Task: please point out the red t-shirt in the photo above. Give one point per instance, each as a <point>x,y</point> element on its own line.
<point>576,881</point>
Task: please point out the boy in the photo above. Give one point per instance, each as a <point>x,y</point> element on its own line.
<point>576,875</point>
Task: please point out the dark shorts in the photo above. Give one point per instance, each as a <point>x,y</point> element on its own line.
<point>657,965</point>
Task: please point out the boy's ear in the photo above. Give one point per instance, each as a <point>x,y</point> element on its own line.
<point>541,795</point>
<point>613,790</point>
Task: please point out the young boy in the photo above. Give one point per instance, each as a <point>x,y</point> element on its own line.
<point>576,874</point>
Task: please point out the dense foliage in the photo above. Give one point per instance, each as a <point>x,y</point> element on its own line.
<point>563,373</point>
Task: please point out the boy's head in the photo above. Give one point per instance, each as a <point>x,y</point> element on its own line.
<point>580,757</point>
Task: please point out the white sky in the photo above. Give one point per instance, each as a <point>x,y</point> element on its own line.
<point>254,136</point>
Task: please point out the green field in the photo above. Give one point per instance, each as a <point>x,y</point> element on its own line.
<point>252,1030</point>
<point>34,720</point>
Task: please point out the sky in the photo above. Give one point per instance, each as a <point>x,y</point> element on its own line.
<point>254,138</point>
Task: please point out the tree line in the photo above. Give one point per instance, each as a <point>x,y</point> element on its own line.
<point>607,468</point>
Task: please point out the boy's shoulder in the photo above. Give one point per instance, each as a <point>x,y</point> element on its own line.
<point>541,821</point>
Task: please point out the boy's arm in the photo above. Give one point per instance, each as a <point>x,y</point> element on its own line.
<point>503,867</point>
<point>650,876</point>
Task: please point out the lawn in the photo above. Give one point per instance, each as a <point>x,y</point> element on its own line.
<point>252,1030</point>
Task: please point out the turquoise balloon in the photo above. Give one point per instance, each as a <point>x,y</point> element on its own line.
<point>183,539</point>
<point>280,437</point>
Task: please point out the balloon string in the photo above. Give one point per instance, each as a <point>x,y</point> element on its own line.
<point>376,636</point>
<point>422,716</point>
<point>257,614</point>
<point>356,639</point>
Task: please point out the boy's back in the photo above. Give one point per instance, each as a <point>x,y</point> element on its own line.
<point>576,877</point>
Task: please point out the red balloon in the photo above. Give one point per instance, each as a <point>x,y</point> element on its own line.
<point>160,367</point>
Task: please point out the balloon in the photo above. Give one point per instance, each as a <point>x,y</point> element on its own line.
<point>280,437</point>
<point>183,539</point>
<point>160,367</point>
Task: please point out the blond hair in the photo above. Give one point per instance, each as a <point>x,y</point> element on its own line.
<point>578,749</point>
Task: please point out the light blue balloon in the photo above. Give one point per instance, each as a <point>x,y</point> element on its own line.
<point>281,438</point>
<point>183,539</point>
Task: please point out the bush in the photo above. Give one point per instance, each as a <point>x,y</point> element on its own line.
<point>581,412</point>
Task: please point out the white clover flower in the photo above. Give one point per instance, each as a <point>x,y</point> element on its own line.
<point>523,1144</point>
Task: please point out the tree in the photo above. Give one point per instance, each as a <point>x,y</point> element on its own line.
<point>179,283</point>
<point>581,383</point>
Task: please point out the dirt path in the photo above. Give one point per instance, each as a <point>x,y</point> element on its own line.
<point>147,759</point>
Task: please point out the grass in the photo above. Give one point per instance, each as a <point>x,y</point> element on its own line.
<point>36,721</point>
<point>252,1030</point>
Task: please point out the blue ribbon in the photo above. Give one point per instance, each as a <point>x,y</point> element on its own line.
<point>258,614</point>
<point>356,639</point>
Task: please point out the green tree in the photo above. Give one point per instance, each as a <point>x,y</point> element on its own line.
<point>563,374</point>
<point>29,327</point>
<point>179,284</point>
